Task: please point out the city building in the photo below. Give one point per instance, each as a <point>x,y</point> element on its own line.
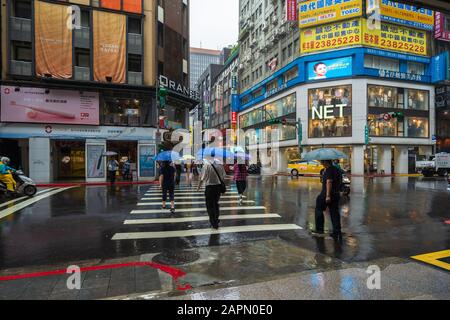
<point>269,39</point>
<point>76,86</point>
<point>348,79</point>
<point>200,59</point>
<point>204,89</point>
<point>442,36</point>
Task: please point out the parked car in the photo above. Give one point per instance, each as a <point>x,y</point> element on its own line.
<point>300,167</point>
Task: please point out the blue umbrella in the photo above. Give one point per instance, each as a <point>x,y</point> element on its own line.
<point>324,154</point>
<point>168,156</point>
<point>214,153</point>
<point>242,155</point>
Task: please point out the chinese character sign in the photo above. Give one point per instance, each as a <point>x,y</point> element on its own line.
<point>291,10</point>
<point>440,31</point>
<point>315,12</point>
<point>331,36</point>
<point>404,14</point>
<point>397,38</point>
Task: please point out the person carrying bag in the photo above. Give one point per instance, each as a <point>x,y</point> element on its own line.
<point>212,176</point>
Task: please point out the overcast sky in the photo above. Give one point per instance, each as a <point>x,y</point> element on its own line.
<point>214,23</point>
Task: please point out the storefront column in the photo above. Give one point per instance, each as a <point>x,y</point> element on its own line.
<point>358,160</point>
<point>385,160</point>
<point>401,160</point>
<point>39,160</point>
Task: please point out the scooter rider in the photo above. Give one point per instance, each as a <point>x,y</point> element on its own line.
<point>6,174</point>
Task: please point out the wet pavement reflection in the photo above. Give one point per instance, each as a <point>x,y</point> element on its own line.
<point>383,217</point>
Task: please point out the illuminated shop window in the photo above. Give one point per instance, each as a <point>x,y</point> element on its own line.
<point>417,127</point>
<point>384,97</point>
<point>418,99</point>
<point>330,112</point>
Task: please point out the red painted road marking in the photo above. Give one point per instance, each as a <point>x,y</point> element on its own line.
<point>173,272</point>
<point>447,222</point>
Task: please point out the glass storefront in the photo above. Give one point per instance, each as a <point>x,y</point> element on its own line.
<point>126,110</point>
<point>330,112</point>
<point>70,159</point>
<point>397,98</point>
<point>413,104</point>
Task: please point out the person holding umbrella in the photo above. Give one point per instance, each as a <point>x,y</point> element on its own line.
<point>113,166</point>
<point>329,197</point>
<point>167,184</point>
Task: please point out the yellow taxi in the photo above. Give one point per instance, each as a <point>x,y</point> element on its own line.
<point>301,167</point>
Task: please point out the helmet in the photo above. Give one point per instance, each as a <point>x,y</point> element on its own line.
<point>5,160</point>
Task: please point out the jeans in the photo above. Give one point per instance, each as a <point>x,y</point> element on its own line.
<point>241,186</point>
<point>321,206</point>
<point>112,176</point>
<point>212,194</point>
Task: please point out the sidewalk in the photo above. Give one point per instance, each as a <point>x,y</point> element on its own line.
<point>399,281</point>
<point>83,183</point>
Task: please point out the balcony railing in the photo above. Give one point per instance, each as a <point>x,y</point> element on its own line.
<point>135,43</point>
<point>20,29</point>
<point>21,68</point>
<point>135,78</point>
<point>82,73</point>
<point>82,37</point>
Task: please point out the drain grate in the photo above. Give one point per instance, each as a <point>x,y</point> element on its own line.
<point>176,258</point>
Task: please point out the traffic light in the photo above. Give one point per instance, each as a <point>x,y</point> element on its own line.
<point>162,94</point>
<point>274,121</point>
<point>398,115</point>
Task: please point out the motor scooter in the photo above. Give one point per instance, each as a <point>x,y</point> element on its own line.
<point>25,185</point>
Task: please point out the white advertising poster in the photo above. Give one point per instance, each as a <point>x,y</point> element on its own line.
<point>95,161</point>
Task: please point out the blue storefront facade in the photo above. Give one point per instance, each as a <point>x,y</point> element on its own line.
<point>336,95</point>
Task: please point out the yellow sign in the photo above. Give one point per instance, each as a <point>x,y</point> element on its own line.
<point>315,12</point>
<point>400,13</point>
<point>397,38</point>
<point>357,32</point>
<point>331,36</point>
<point>435,259</point>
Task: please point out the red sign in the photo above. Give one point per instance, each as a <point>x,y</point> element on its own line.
<point>292,12</point>
<point>233,117</point>
<point>439,29</point>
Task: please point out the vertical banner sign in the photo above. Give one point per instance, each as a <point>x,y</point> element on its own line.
<point>146,161</point>
<point>53,41</point>
<point>440,31</point>
<point>292,13</point>
<point>109,46</point>
<point>95,161</point>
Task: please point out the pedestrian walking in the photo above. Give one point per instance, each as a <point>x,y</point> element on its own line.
<point>126,170</point>
<point>189,169</point>
<point>167,183</point>
<point>113,166</point>
<point>212,176</point>
<point>329,198</point>
<point>240,177</point>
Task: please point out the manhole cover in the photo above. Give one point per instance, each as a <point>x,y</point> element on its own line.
<point>175,258</point>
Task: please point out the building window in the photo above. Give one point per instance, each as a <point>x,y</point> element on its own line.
<point>416,68</point>
<point>282,107</point>
<point>291,74</point>
<point>258,93</point>
<point>330,112</point>
<point>85,18</point>
<point>381,128</point>
<point>121,111</point>
<point>272,85</point>
<point>417,127</point>
<point>22,9</point>
<point>134,25</point>
<point>376,62</point>
<point>21,51</point>
<point>384,97</point>
<point>134,63</point>
<point>82,58</point>
<point>418,99</point>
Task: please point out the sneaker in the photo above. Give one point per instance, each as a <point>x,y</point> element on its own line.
<point>172,210</point>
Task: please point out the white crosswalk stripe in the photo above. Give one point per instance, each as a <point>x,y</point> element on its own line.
<point>152,211</point>
<point>192,197</point>
<point>199,232</point>
<point>141,204</point>
<point>196,212</point>
<point>203,218</point>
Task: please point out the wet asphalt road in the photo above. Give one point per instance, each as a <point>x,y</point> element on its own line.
<point>384,217</point>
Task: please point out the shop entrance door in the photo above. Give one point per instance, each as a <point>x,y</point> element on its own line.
<point>70,160</point>
<point>126,151</point>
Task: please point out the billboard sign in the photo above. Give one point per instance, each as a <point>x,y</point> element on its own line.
<point>440,31</point>
<point>291,10</point>
<point>357,32</point>
<point>328,69</point>
<point>315,12</point>
<point>34,105</point>
<point>400,13</point>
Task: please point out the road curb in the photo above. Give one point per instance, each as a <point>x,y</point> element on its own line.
<point>72,184</point>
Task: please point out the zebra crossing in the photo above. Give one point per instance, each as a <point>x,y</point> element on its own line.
<point>150,221</point>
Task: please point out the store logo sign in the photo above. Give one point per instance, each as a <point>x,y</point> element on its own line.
<point>327,112</point>
<point>172,85</point>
